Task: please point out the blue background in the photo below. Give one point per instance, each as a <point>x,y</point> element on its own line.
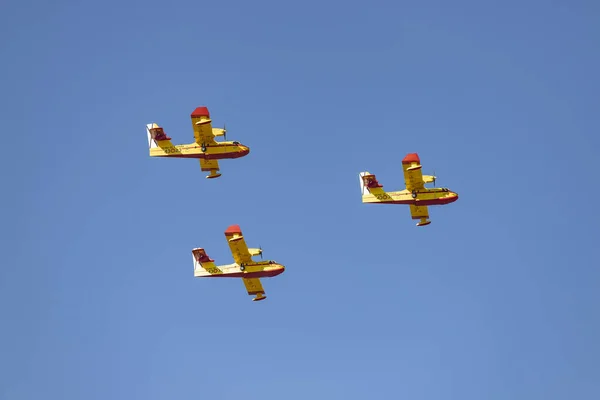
<point>496,299</point>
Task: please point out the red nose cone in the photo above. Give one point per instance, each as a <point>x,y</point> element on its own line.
<point>451,199</point>
<point>446,200</point>
<point>242,151</point>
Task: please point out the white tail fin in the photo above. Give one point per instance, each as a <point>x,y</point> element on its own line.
<point>151,142</point>
<point>363,189</point>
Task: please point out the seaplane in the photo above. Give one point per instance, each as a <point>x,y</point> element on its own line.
<point>415,194</point>
<point>244,266</point>
<point>205,148</point>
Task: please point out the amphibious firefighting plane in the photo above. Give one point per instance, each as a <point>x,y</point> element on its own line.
<point>244,267</point>
<point>205,147</point>
<point>415,194</point>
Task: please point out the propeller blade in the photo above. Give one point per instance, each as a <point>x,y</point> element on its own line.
<point>224,132</point>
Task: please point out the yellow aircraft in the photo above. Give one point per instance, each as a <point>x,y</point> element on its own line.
<point>415,194</point>
<point>206,148</point>
<point>244,267</point>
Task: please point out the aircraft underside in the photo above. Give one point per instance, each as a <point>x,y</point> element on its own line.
<point>247,275</point>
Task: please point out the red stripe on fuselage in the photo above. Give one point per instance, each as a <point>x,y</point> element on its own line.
<point>248,275</point>
<point>431,202</point>
<point>219,156</point>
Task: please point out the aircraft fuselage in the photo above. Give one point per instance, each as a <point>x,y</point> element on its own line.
<point>217,151</point>
<point>424,197</point>
<point>259,269</point>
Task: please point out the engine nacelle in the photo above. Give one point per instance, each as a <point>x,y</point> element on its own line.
<point>255,252</point>
<point>218,132</point>
<point>429,178</point>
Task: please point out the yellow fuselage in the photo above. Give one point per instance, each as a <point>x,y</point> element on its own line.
<point>260,269</point>
<point>423,197</point>
<point>213,152</point>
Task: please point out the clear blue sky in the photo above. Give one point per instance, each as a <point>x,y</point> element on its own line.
<point>496,299</point>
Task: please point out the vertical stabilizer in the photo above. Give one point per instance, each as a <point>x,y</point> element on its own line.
<point>157,136</point>
<point>363,189</point>
<point>203,264</point>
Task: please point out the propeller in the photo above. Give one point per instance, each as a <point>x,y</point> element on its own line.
<point>260,248</point>
<point>224,133</point>
<point>434,175</point>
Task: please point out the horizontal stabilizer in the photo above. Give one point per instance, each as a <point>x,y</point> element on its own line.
<point>369,183</point>
<point>157,134</point>
<point>203,264</point>
<point>201,256</point>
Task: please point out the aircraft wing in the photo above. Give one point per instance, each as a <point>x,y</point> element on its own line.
<point>419,212</point>
<point>209,165</point>
<point>413,177</point>
<point>237,245</point>
<point>253,286</point>
<point>202,124</point>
